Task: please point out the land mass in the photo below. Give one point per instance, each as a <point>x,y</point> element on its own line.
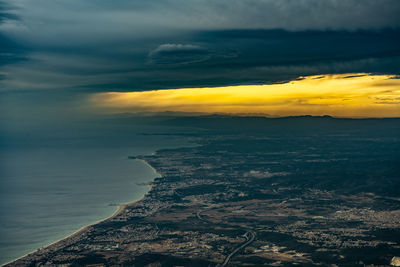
<point>280,196</point>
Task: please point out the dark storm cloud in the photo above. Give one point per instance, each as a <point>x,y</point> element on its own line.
<point>10,51</point>
<point>140,45</point>
<point>7,12</point>
<point>212,58</point>
<point>178,54</point>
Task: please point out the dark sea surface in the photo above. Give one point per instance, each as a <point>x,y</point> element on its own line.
<point>52,184</point>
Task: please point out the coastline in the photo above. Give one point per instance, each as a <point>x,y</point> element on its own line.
<point>120,209</point>
<point>148,164</point>
<point>281,221</point>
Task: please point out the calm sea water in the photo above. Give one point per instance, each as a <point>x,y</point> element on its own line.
<point>49,191</point>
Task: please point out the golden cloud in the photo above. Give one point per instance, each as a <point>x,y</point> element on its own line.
<point>340,95</point>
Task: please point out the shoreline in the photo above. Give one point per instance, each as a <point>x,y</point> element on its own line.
<point>83,229</point>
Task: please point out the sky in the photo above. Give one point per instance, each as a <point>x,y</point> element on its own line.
<point>56,56</point>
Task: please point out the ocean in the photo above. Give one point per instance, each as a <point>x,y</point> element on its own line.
<point>51,187</point>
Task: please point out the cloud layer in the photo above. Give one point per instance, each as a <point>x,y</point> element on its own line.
<point>140,45</point>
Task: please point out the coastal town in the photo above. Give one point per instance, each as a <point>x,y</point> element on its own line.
<point>243,201</point>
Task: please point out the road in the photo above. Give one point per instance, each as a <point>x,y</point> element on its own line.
<point>250,235</point>
<point>198,214</point>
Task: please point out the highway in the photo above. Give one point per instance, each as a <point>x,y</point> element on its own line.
<point>250,236</point>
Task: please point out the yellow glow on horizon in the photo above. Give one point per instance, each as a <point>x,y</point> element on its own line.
<point>340,95</point>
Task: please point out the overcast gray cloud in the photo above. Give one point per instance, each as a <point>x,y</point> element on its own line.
<point>84,22</point>
<point>93,45</point>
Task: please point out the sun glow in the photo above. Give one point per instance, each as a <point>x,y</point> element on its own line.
<point>340,95</point>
